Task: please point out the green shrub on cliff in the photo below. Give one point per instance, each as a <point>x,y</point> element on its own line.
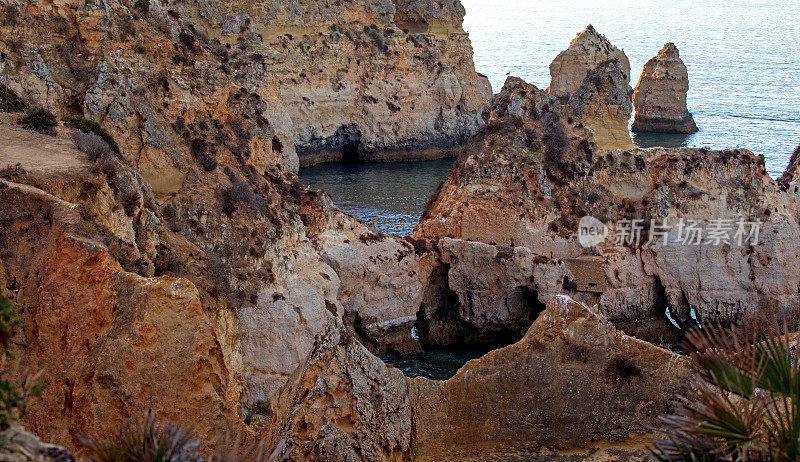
<point>40,120</point>
<point>90,126</point>
<point>746,404</point>
<point>10,101</point>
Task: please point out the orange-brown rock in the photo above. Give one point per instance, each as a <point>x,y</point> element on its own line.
<point>112,344</point>
<point>660,95</point>
<point>249,274</point>
<point>530,175</point>
<point>573,383</point>
<point>591,79</point>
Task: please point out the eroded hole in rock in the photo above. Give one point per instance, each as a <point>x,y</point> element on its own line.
<point>452,334</point>
<point>666,325</point>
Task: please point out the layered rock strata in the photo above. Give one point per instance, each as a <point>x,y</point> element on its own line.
<point>591,80</point>
<point>527,179</point>
<point>183,80</point>
<point>660,95</point>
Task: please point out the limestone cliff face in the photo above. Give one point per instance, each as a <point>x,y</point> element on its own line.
<point>250,268</point>
<point>660,96</point>
<point>112,344</point>
<point>265,81</point>
<point>591,79</point>
<point>572,381</point>
<point>530,175</point>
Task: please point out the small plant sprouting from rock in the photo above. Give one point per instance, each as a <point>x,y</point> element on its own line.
<point>241,193</point>
<point>91,145</point>
<point>40,120</point>
<point>10,101</point>
<point>199,149</point>
<point>147,441</point>
<point>90,126</point>
<point>621,368</point>
<point>12,400</point>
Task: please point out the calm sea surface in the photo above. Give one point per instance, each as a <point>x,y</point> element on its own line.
<point>744,70</point>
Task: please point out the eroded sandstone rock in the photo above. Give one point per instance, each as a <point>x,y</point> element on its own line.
<point>592,78</point>
<point>249,271</point>
<point>660,95</point>
<point>183,81</point>
<point>531,174</point>
<point>572,382</point>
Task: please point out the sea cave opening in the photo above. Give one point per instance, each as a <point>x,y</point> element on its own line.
<point>449,339</point>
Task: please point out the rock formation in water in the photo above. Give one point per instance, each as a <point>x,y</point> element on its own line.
<point>529,176</point>
<point>572,382</point>
<point>591,79</point>
<point>267,82</point>
<point>193,275</point>
<point>660,95</point>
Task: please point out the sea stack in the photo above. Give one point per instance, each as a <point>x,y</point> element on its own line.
<point>591,80</point>
<point>660,95</point>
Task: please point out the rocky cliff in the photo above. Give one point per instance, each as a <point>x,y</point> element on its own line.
<point>183,80</point>
<point>660,95</point>
<point>591,79</point>
<point>527,179</point>
<point>571,382</point>
<point>200,309</point>
<point>231,313</point>
<point>193,275</point>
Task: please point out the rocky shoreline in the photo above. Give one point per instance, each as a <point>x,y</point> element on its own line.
<point>191,273</point>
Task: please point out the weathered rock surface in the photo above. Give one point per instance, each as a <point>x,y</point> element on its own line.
<point>112,344</point>
<point>660,95</point>
<point>790,177</point>
<point>21,446</point>
<point>529,176</point>
<point>173,81</point>
<point>572,382</point>
<point>246,283</point>
<point>591,79</point>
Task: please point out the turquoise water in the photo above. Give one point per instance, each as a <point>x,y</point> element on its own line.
<point>743,58</point>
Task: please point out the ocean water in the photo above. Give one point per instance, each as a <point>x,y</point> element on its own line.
<point>390,196</point>
<point>743,58</point>
<point>434,363</point>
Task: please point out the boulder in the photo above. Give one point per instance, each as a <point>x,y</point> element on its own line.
<point>22,446</point>
<point>660,95</point>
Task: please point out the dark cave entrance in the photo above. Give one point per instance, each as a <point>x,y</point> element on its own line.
<point>348,140</point>
<point>449,338</point>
